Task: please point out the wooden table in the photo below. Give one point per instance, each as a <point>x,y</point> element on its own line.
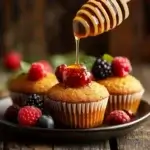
<point>139,139</point>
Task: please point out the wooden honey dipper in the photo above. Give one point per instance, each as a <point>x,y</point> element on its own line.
<point>98,16</point>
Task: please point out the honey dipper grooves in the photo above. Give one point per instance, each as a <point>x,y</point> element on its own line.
<point>98,16</point>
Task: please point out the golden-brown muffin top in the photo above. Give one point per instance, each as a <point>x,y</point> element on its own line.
<point>22,84</point>
<point>92,92</point>
<point>122,85</point>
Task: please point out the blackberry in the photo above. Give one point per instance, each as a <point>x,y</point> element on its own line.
<point>35,100</point>
<point>101,69</point>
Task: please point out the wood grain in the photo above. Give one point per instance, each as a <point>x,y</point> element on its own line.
<point>17,146</point>
<point>97,146</point>
<point>137,140</point>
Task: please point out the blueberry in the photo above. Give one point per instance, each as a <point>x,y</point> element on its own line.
<point>46,122</point>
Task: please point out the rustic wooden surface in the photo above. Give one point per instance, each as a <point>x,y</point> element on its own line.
<point>139,139</point>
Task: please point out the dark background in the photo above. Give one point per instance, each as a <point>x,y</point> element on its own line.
<point>43,28</point>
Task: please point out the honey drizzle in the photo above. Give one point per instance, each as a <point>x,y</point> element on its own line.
<point>77,41</point>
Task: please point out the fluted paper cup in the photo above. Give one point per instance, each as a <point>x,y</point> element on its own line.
<point>129,102</point>
<point>20,98</point>
<point>78,115</point>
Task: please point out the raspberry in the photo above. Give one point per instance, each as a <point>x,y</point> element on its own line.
<point>11,113</point>
<point>36,72</point>
<point>59,72</point>
<point>101,69</point>
<point>117,117</point>
<point>35,100</point>
<point>121,66</point>
<point>76,76</point>
<point>12,60</point>
<point>47,66</point>
<point>129,113</point>
<point>29,115</point>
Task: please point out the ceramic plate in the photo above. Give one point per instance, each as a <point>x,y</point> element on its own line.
<point>77,135</point>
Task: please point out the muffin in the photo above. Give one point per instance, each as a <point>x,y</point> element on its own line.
<point>125,93</point>
<point>3,92</point>
<point>31,85</point>
<point>77,101</point>
<point>125,90</point>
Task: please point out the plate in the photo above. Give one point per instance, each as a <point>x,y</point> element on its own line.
<point>73,135</point>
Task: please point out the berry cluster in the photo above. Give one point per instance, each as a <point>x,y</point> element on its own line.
<point>73,76</point>
<point>117,66</point>
<point>31,114</point>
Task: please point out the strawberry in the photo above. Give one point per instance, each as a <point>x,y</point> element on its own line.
<point>76,76</point>
<point>121,66</point>
<point>12,60</point>
<point>47,66</point>
<point>36,72</point>
<point>29,115</point>
<point>117,117</point>
<point>59,72</point>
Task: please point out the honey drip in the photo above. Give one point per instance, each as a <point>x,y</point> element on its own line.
<point>77,41</point>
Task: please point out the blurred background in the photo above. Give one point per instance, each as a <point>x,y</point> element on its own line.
<point>42,29</point>
<point>39,29</point>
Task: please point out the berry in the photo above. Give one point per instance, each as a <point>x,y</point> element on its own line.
<point>29,115</point>
<point>11,113</point>
<point>129,113</point>
<point>59,72</point>
<point>117,117</point>
<point>46,122</point>
<point>101,69</point>
<point>35,100</point>
<point>12,60</point>
<point>76,76</point>
<point>121,66</point>
<point>36,71</point>
<point>47,66</point>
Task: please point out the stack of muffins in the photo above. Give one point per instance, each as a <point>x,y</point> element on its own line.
<point>78,98</point>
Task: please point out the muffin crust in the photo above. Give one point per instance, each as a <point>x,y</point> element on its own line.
<point>90,93</point>
<point>23,85</point>
<point>122,85</point>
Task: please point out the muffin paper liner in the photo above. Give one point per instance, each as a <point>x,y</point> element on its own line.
<point>78,115</point>
<point>20,98</point>
<point>129,102</point>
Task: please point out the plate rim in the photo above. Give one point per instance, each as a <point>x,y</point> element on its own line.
<point>107,128</point>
